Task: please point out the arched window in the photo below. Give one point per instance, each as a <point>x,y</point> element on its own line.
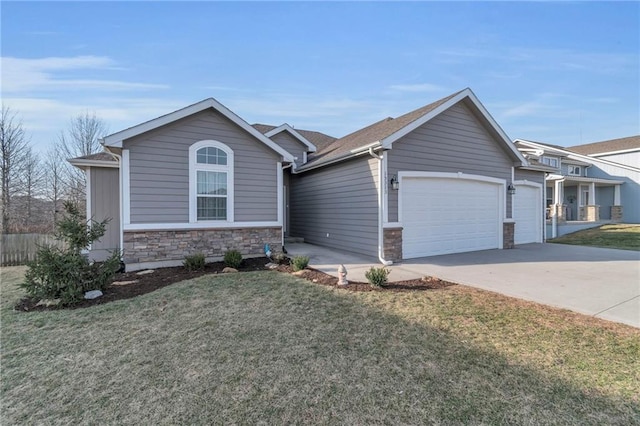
<point>211,181</point>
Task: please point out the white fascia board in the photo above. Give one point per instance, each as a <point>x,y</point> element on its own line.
<point>294,133</point>
<point>621,151</point>
<point>466,93</point>
<point>94,163</point>
<point>351,154</point>
<point>116,139</point>
<point>573,155</point>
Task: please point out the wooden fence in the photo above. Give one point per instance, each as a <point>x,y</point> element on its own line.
<point>18,249</point>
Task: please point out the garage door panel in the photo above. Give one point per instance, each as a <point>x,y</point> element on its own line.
<point>444,215</point>
<point>527,213</point>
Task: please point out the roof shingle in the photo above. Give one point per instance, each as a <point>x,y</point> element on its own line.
<point>621,144</point>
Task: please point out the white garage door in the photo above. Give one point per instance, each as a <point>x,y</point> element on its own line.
<point>449,215</point>
<point>527,213</point>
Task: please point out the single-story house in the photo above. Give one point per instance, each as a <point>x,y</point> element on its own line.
<point>444,178</point>
<point>588,185</point>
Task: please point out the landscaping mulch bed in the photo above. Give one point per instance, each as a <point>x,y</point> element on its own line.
<point>131,284</point>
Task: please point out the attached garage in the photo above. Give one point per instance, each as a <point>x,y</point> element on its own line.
<point>527,212</point>
<point>444,213</point>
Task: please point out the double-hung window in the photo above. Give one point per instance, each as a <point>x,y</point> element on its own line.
<point>211,182</point>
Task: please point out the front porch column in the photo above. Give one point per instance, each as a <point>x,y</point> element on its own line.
<point>593,210</point>
<point>558,208</point>
<point>616,208</point>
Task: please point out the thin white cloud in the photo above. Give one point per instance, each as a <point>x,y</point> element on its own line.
<point>417,88</point>
<point>20,75</point>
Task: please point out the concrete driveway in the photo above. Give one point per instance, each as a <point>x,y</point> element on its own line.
<point>604,283</point>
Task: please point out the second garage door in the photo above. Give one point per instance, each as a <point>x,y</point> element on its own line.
<point>527,212</point>
<point>449,215</point>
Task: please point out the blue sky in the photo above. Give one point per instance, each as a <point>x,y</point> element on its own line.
<point>558,72</point>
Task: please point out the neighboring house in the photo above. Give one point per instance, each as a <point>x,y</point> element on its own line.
<point>584,191</point>
<point>444,178</point>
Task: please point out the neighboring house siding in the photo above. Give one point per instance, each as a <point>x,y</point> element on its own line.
<point>159,170</point>
<point>291,145</point>
<point>454,141</point>
<point>629,191</point>
<point>337,206</point>
<point>105,204</point>
<point>628,158</point>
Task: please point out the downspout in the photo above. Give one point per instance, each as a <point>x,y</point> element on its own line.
<point>554,218</point>
<point>284,211</point>
<point>380,212</point>
<point>120,196</point>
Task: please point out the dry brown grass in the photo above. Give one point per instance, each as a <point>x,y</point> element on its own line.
<point>271,348</point>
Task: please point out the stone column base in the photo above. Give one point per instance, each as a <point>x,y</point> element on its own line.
<point>616,213</point>
<point>508,235</point>
<point>558,210</point>
<point>392,240</point>
<point>592,213</point>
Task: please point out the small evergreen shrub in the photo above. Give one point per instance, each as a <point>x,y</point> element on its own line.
<point>300,262</point>
<point>377,277</point>
<point>194,262</point>
<point>233,259</point>
<point>66,274</point>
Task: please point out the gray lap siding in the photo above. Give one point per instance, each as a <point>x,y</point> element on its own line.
<point>454,141</point>
<point>291,145</point>
<point>337,206</point>
<point>159,170</point>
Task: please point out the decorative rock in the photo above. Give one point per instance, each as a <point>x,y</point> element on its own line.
<point>299,273</point>
<point>145,272</point>
<point>124,282</point>
<point>48,302</point>
<point>93,294</point>
<point>228,270</point>
<point>271,265</point>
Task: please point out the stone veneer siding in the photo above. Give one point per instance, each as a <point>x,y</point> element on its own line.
<point>158,246</point>
<point>393,244</point>
<point>508,232</point>
<point>616,213</point>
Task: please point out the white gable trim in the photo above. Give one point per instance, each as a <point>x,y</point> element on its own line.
<point>294,133</point>
<point>80,163</point>
<point>621,151</point>
<point>573,155</point>
<point>466,93</point>
<point>115,139</point>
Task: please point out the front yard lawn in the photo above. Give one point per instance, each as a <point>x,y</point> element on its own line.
<point>618,236</point>
<point>271,348</point>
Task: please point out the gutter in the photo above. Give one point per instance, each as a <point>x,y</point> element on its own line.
<point>380,204</point>
<point>351,154</point>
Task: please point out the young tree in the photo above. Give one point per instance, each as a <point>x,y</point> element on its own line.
<point>54,181</point>
<point>32,179</point>
<point>13,151</point>
<point>80,139</point>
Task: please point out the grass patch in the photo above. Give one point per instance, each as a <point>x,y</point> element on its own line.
<point>617,236</point>
<point>270,348</point>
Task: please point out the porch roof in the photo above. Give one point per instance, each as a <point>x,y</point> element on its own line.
<point>580,179</point>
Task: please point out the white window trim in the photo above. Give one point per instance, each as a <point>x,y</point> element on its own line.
<point>571,170</point>
<point>194,167</point>
<point>546,157</point>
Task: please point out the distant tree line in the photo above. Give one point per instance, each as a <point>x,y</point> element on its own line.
<point>33,186</point>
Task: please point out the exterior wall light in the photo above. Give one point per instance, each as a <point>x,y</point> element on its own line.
<point>395,183</point>
<point>511,189</point>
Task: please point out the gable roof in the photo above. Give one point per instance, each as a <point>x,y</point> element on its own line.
<point>573,155</point>
<point>116,139</point>
<point>318,139</point>
<point>631,143</point>
<point>286,128</point>
<point>385,132</point>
